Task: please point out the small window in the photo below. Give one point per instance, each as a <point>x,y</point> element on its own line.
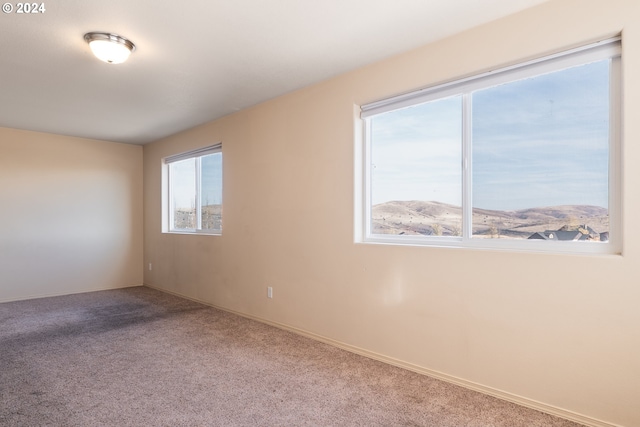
<point>519,158</point>
<point>195,191</point>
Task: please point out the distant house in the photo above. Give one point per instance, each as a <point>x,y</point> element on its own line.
<point>559,235</point>
<point>568,233</point>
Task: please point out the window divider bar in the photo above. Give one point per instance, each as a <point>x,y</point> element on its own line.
<point>467,209</point>
<point>198,195</point>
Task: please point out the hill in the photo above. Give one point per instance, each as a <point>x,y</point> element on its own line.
<point>435,218</point>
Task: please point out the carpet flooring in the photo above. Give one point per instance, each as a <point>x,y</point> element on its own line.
<point>140,357</point>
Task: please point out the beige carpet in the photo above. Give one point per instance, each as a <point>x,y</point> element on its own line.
<point>139,357</point>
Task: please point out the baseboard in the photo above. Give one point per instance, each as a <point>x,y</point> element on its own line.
<point>59,294</point>
<point>500,394</point>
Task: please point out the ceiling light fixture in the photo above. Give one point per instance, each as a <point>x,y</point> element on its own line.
<point>108,47</point>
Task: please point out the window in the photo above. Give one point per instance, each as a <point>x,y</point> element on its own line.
<point>195,191</point>
<point>525,157</point>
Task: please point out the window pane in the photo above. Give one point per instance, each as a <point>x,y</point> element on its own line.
<point>211,191</point>
<point>416,177</point>
<point>183,190</point>
<point>541,157</point>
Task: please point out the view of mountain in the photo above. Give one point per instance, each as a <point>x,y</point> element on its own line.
<point>435,218</point>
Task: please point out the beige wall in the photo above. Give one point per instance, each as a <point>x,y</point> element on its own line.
<point>70,216</point>
<point>560,330</point>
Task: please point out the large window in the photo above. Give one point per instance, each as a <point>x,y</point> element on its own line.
<point>195,191</point>
<point>522,158</point>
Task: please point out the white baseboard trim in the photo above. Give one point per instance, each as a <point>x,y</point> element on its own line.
<point>500,394</point>
<point>59,294</point>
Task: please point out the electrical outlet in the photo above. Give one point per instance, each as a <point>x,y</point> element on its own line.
<point>150,266</point>
<point>269,292</point>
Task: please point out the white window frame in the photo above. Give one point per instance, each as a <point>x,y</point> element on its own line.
<point>168,210</point>
<point>606,49</point>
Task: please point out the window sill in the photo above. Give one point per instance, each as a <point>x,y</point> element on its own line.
<point>194,233</point>
<point>499,245</point>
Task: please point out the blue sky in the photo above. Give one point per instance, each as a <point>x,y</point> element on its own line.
<point>184,185</point>
<point>212,179</point>
<point>541,141</point>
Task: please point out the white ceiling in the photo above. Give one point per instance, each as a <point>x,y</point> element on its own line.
<point>198,60</point>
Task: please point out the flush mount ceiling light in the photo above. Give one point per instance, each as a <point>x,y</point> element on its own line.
<point>109,47</point>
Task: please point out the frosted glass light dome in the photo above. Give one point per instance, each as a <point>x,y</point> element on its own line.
<point>110,48</point>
